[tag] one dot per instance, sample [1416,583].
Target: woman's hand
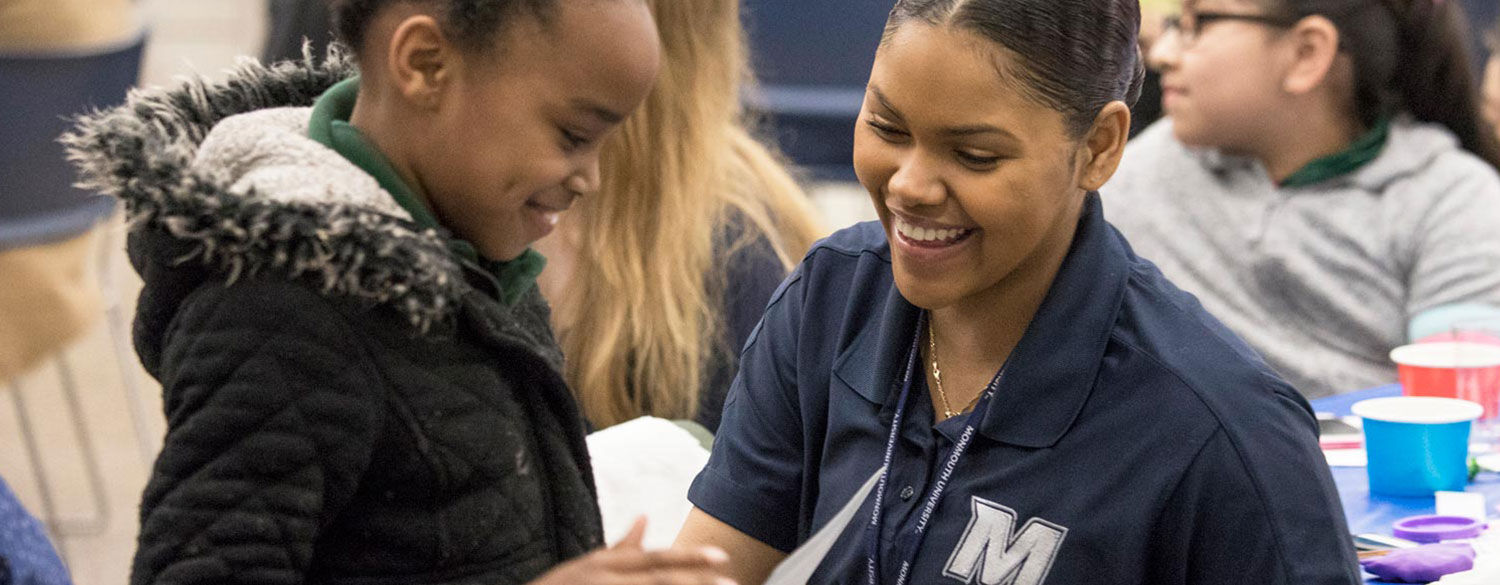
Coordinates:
[627,563]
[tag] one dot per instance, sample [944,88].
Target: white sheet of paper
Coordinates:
[1345,457]
[1461,504]
[798,567]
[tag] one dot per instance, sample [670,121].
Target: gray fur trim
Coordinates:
[143,152]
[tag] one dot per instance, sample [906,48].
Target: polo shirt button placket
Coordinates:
[907,492]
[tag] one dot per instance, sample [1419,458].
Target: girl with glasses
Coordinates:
[1324,178]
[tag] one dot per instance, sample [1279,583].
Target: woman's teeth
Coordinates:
[921,234]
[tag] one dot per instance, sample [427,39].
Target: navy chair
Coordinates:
[1483,15]
[39,94]
[813,60]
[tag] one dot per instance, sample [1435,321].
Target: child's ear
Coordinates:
[1101,150]
[1315,47]
[420,60]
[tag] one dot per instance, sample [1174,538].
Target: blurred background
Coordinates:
[95,528]
[94,417]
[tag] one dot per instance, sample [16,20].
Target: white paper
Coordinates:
[798,567]
[1486,569]
[1489,462]
[643,468]
[1345,457]
[1461,504]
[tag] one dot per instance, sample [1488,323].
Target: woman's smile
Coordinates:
[927,241]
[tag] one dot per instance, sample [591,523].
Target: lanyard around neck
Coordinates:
[907,543]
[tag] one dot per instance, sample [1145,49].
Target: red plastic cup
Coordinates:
[1450,369]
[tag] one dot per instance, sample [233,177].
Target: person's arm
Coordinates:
[748,499]
[627,562]
[273,408]
[1454,250]
[1256,509]
[752,560]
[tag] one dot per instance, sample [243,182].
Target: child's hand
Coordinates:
[627,563]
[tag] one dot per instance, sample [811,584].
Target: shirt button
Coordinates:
[907,492]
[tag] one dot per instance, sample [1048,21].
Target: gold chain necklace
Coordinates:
[937,373]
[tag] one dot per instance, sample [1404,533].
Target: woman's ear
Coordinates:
[421,60]
[1099,154]
[1314,49]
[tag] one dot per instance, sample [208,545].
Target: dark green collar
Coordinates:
[330,127]
[1360,153]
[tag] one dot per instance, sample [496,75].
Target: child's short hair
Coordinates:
[473,24]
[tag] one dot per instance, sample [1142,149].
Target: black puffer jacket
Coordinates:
[345,403]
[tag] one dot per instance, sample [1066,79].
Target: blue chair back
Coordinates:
[39,94]
[1483,16]
[813,59]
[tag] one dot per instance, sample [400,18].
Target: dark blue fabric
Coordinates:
[38,202]
[1483,16]
[1133,440]
[812,60]
[751,274]
[26,557]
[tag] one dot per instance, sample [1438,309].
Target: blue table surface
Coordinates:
[1368,513]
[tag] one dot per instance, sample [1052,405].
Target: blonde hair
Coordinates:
[640,320]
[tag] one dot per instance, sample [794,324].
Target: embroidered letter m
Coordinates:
[994,553]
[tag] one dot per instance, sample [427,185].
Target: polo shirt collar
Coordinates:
[1051,373]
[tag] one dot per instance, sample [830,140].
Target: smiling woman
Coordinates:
[1039,404]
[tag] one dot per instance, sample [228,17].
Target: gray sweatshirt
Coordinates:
[1321,279]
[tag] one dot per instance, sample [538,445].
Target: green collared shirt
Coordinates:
[330,127]
[1359,153]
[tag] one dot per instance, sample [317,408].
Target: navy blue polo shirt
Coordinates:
[1133,439]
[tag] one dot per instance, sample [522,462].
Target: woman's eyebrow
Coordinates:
[970,130]
[956,131]
[885,103]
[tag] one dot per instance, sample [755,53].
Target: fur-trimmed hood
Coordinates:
[337,232]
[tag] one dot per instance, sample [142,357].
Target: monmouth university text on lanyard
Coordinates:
[907,542]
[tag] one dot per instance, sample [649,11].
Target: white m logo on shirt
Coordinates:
[992,551]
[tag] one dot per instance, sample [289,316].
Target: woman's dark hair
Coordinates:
[1076,56]
[1409,56]
[472,24]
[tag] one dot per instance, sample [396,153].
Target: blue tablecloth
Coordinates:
[1375,514]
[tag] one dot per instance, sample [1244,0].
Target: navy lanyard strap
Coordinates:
[906,545]
[872,544]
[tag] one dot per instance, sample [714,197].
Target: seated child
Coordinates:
[1324,178]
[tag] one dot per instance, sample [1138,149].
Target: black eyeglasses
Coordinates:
[1189,33]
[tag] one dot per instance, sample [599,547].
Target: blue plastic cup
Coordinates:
[1417,445]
